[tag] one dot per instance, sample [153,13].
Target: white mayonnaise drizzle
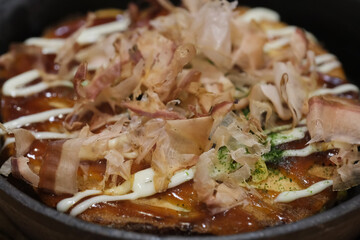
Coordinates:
[91,35]
[41,135]
[326,62]
[14,87]
[260,14]
[34,118]
[280,32]
[67,203]
[289,136]
[323,58]
[283,127]
[143,186]
[276,44]
[316,188]
[281,37]
[52,135]
[329,66]
[48,45]
[348,87]
[287,32]
[301,152]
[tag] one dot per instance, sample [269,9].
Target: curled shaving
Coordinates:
[167,88]
[347,173]
[333,119]
[218,197]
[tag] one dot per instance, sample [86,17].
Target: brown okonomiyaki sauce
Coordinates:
[252,217]
[258,214]
[255,216]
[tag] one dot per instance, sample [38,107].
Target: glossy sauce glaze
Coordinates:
[259,213]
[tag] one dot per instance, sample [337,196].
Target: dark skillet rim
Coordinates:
[322,218]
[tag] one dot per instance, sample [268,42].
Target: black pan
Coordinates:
[335,23]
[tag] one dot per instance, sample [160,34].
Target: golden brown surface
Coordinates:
[260,213]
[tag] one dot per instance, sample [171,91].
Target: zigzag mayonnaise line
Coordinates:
[37,117]
[15,87]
